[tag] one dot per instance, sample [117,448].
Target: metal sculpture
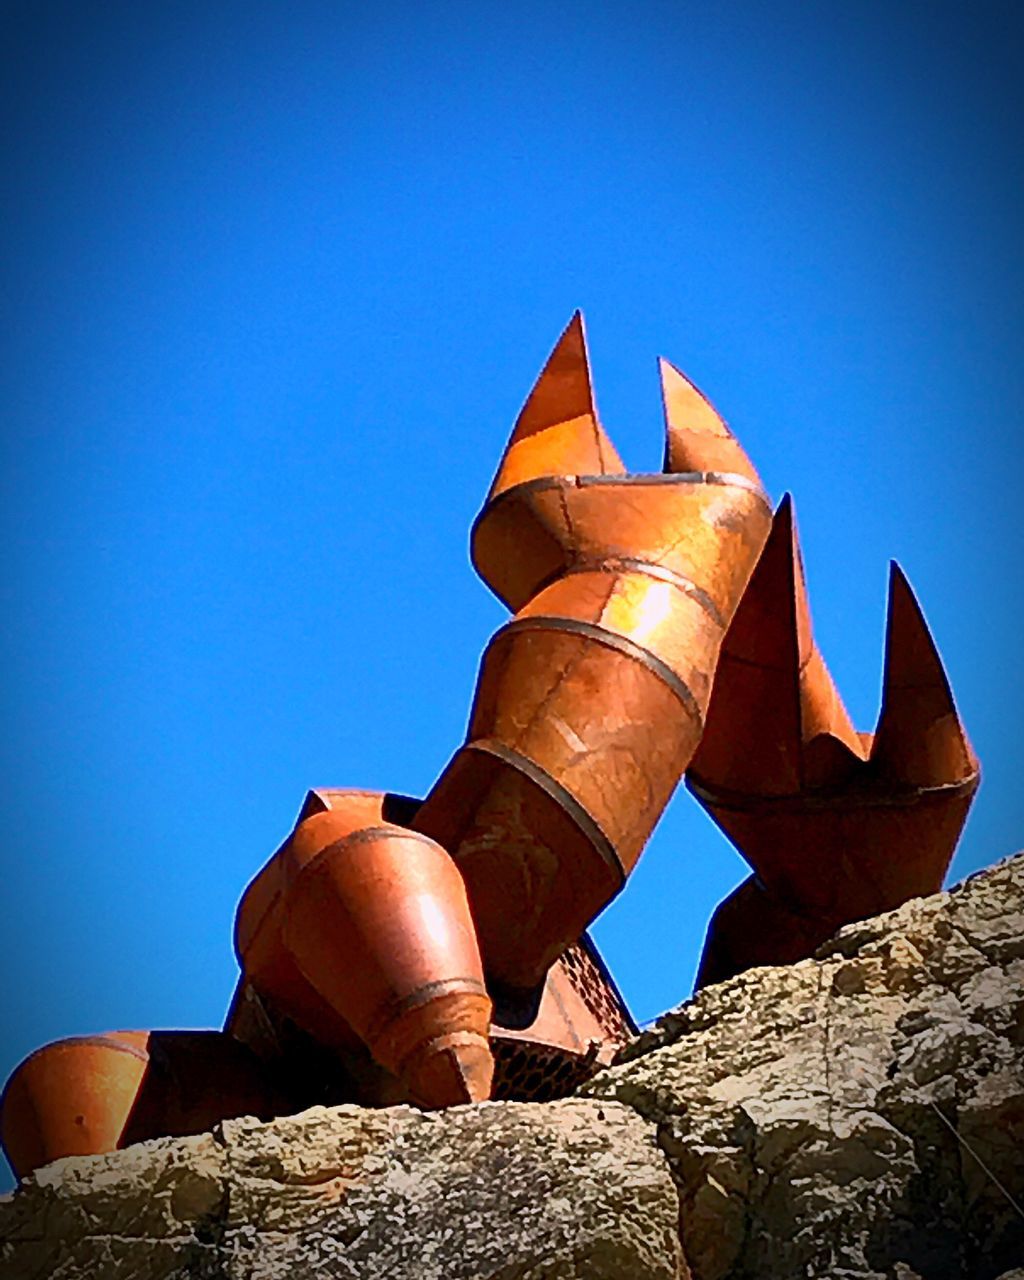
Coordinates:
[838,825]
[435,951]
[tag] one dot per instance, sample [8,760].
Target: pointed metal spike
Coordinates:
[910,653]
[752,732]
[831,745]
[920,740]
[771,627]
[696,435]
[773,691]
[686,406]
[564,388]
[557,431]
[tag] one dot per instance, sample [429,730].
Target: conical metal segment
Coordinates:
[307,1041]
[452,1070]
[378,923]
[89,1095]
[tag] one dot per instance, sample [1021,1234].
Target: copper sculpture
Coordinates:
[435,951]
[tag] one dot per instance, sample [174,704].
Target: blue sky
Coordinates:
[277,279]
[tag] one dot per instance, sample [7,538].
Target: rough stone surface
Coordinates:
[853,1115]
[859,1116]
[497,1191]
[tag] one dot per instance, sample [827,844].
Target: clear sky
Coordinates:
[276,281]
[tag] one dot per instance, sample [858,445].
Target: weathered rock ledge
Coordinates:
[859,1115]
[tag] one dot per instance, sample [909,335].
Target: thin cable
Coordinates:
[967,1147]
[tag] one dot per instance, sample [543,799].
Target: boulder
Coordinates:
[532,1191]
[860,1114]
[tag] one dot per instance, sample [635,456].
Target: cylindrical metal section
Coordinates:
[548,806]
[532,859]
[705,527]
[92,1094]
[666,618]
[607,725]
[72,1098]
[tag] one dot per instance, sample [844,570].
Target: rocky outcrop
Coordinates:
[859,1115]
[532,1191]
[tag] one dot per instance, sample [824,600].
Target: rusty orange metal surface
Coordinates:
[92,1094]
[697,438]
[377,922]
[837,825]
[590,702]
[265,961]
